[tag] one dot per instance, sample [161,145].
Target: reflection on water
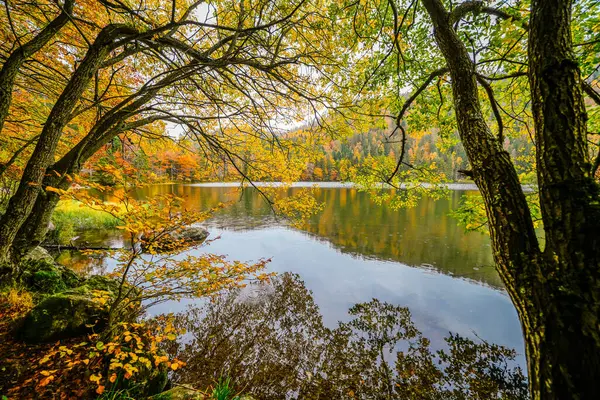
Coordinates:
[421,236]
[356,251]
[272,341]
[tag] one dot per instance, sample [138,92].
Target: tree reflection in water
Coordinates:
[272,342]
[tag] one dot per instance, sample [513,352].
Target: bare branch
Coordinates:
[409,101]
[494,104]
[589,90]
[405,106]
[477,7]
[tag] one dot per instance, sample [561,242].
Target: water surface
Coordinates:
[356,250]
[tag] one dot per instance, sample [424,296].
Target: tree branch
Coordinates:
[4,167]
[589,90]
[494,104]
[403,110]
[477,7]
[13,63]
[409,101]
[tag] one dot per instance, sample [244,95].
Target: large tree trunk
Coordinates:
[34,229]
[570,352]
[23,200]
[556,293]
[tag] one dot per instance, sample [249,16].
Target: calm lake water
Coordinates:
[356,250]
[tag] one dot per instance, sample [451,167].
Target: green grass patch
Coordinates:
[71,215]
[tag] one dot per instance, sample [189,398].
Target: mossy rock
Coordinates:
[103,283]
[39,273]
[180,392]
[94,283]
[61,316]
[72,312]
[38,254]
[187,392]
[99,282]
[189,235]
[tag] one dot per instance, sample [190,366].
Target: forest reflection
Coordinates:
[423,236]
[271,341]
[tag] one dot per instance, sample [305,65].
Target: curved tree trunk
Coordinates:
[35,227]
[23,200]
[556,292]
[34,230]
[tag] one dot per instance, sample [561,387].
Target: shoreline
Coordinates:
[339,185]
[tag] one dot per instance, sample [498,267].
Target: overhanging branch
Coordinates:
[411,99]
[403,110]
[478,7]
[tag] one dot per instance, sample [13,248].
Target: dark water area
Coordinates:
[355,251]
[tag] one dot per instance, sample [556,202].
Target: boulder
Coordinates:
[180,392]
[63,315]
[99,282]
[71,313]
[39,273]
[188,392]
[189,235]
[38,254]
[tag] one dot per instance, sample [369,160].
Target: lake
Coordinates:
[356,250]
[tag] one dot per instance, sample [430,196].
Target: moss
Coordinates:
[71,312]
[62,316]
[99,282]
[179,393]
[41,276]
[47,281]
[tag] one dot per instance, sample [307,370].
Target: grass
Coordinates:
[71,216]
[224,390]
[75,214]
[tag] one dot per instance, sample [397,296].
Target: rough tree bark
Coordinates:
[555,292]
[35,227]
[569,352]
[22,201]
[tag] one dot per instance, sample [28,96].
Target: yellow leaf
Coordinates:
[174,366]
[46,380]
[95,378]
[113,378]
